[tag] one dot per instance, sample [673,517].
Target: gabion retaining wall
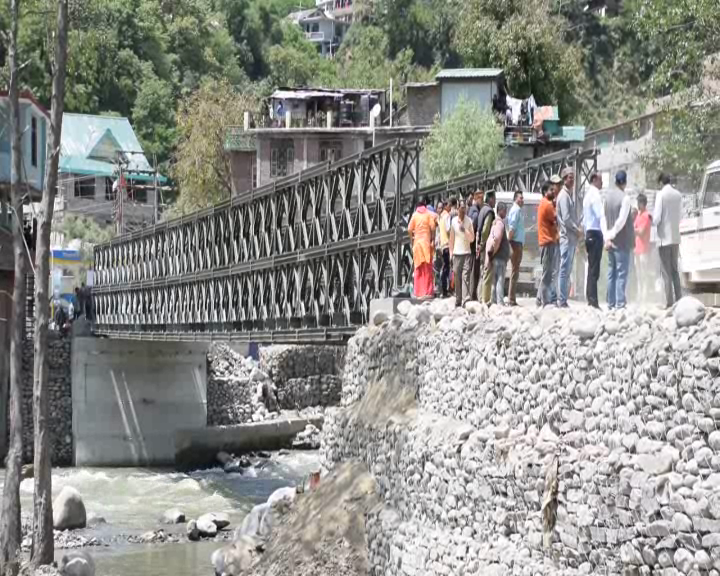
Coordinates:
[513,441]
[60,399]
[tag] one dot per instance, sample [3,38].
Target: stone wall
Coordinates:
[513,441]
[304,376]
[60,399]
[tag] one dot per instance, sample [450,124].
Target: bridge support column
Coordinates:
[130,397]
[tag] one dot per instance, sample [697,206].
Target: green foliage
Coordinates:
[201,167]
[686,140]
[469,140]
[524,39]
[85,229]
[296,62]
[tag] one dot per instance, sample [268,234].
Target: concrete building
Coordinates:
[99,154]
[305,127]
[342,10]
[322,28]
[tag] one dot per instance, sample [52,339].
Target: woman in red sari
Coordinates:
[422,234]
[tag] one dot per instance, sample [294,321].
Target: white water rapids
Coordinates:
[132,500]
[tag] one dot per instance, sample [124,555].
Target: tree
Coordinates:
[10,528]
[469,140]
[296,62]
[43,541]
[201,167]
[154,115]
[524,39]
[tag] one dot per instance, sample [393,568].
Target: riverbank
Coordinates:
[132,501]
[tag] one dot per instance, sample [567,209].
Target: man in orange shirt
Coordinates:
[422,234]
[548,241]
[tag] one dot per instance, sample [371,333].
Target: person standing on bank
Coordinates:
[548,242]
[421,230]
[619,235]
[643,225]
[569,231]
[444,247]
[461,235]
[592,219]
[497,254]
[516,237]
[477,263]
[666,216]
[486,220]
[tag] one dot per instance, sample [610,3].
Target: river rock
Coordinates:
[287,494]
[220,519]
[206,525]
[237,558]
[173,516]
[69,510]
[192,531]
[257,523]
[77,563]
[95,520]
[688,311]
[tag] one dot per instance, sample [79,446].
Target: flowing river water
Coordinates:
[133,499]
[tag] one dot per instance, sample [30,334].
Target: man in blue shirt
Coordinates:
[592,218]
[516,235]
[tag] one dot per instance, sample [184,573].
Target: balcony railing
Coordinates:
[315,36]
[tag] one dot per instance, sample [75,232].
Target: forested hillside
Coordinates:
[149,59]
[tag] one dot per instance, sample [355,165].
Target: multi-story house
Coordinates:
[321,28]
[99,156]
[304,127]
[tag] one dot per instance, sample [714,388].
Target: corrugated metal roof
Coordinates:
[462,73]
[84,135]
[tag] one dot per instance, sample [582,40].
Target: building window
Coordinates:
[282,159]
[85,187]
[109,192]
[330,151]
[34,142]
[316,27]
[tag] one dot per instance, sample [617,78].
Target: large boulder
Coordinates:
[173,516]
[69,510]
[257,524]
[77,563]
[193,533]
[688,311]
[237,558]
[220,519]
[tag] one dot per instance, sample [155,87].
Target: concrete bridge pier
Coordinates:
[131,397]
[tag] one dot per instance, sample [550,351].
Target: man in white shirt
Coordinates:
[592,222]
[666,217]
[461,236]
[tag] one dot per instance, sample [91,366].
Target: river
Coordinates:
[133,499]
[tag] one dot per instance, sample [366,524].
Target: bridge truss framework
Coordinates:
[298,260]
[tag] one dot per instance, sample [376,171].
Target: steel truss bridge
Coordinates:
[298,260]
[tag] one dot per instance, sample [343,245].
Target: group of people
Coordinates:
[80,304]
[475,241]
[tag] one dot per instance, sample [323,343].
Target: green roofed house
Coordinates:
[100,155]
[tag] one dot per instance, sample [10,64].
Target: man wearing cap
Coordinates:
[619,235]
[569,231]
[592,218]
[548,242]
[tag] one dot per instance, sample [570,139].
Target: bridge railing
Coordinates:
[307,252]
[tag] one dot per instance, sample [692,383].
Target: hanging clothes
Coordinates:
[532,106]
[515,106]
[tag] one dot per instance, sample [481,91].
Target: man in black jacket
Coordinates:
[477,261]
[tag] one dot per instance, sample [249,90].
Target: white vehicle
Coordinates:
[700,237]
